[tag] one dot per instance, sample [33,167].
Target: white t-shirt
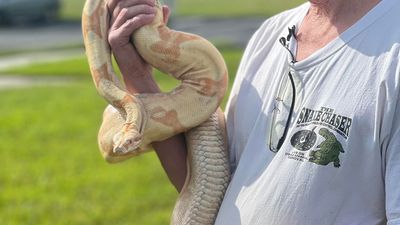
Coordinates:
[340,161]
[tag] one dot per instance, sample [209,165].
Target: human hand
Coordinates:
[126,17]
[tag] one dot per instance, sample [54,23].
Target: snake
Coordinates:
[133,121]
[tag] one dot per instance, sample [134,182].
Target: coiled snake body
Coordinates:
[132,122]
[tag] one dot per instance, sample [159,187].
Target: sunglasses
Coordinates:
[284,104]
[282,113]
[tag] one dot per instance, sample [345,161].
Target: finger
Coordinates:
[116,6]
[121,19]
[133,24]
[134,11]
[112,4]
[166,13]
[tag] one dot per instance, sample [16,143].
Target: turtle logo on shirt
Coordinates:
[329,150]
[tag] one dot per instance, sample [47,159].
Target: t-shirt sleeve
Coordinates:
[392,171]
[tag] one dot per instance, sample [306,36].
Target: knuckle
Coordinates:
[113,40]
[147,9]
[144,19]
[140,9]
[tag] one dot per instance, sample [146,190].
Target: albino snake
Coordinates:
[133,121]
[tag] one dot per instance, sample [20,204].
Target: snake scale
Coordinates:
[131,122]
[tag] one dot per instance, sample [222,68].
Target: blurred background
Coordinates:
[50,169]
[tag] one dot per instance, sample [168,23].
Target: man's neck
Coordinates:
[339,13]
[326,20]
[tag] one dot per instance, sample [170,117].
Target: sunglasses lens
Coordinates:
[281,112]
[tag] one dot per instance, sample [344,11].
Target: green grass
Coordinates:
[222,8]
[76,67]
[79,68]
[51,170]
[52,48]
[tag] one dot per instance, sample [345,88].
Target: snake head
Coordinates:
[126,142]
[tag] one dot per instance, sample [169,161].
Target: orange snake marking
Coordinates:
[168,118]
[173,42]
[133,121]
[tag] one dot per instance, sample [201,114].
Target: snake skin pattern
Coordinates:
[133,121]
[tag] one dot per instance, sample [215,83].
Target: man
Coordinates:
[313,117]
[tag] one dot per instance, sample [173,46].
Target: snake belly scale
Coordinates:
[132,122]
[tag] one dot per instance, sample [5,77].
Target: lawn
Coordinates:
[221,8]
[52,172]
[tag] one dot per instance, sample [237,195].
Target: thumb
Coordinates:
[166,13]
